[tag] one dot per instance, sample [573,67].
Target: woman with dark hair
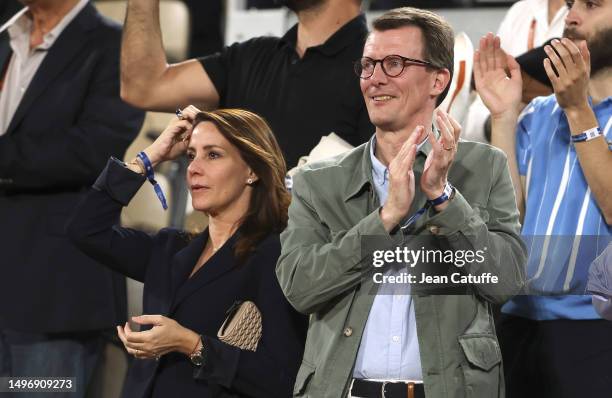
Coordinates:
[236,176]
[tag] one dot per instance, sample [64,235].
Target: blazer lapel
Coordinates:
[185,259]
[5,51]
[61,53]
[220,263]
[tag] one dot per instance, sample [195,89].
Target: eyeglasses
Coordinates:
[392,65]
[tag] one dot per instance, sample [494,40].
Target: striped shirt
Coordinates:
[564,228]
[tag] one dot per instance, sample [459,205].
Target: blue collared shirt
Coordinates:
[564,229]
[389,347]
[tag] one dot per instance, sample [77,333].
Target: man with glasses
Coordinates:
[410,183]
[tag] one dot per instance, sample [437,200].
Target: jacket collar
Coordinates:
[65,48]
[5,52]
[342,38]
[21,25]
[362,171]
[183,262]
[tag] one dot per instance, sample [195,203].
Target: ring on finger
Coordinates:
[449,149]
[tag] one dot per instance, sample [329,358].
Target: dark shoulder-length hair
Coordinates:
[251,135]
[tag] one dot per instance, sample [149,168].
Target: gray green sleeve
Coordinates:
[493,227]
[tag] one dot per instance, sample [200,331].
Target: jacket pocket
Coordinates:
[303,378]
[482,372]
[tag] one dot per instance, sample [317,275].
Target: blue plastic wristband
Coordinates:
[448,191]
[151,177]
[415,216]
[587,135]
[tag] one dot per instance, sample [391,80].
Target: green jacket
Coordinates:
[324,273]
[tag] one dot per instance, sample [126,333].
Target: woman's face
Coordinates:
[217,175]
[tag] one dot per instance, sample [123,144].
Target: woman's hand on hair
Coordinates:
[190,113]
[166,336]
[172,142]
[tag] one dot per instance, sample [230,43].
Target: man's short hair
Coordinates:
[438,36]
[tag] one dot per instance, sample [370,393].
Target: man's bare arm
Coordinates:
[147,81]
[571,84]
[503,136]
[502,96]
[595,159]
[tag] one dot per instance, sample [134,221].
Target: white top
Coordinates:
[525,26]
[25,62]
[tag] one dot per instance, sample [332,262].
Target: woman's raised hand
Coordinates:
[174,140]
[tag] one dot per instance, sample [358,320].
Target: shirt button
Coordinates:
[396,339]
[434,229]
[348,332]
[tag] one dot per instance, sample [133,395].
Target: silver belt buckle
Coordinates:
[382,390]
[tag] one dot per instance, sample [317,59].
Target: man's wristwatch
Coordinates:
[448,193]
[197,356]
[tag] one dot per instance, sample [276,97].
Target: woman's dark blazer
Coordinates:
[163,262]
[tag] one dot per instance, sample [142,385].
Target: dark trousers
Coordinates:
[50,355]
[557,358]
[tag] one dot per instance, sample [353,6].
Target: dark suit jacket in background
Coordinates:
[8,8]
[163,262]
[69,121]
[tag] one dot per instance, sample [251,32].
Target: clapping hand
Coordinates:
[498,78]
[401,181]
[573,65]
[441,157]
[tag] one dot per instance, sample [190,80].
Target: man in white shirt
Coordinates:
[61,117]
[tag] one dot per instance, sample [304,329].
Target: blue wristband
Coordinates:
[151,177]
[448,191]
[587,135]
[415,217]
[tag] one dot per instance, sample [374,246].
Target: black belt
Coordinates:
[387,389]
